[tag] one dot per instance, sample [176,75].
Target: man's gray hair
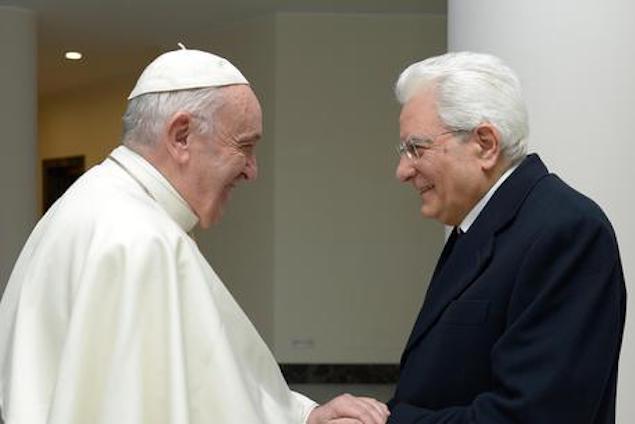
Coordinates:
[471,89]
[146,115]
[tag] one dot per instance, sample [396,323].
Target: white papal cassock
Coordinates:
[113,316]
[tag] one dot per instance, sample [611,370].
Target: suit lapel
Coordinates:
[469,257]
[473,251]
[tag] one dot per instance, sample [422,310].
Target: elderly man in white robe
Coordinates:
[112,315]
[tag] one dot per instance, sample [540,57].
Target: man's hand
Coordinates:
[347,409]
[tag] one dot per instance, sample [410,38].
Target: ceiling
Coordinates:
[119,36]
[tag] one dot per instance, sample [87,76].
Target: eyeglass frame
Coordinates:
[410,148]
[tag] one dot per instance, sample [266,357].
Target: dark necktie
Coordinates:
[447,250]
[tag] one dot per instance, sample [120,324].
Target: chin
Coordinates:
[425,212]
[428,214]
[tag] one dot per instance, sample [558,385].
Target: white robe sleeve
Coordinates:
[308,405]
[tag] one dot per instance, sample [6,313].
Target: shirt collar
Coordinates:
[476,210]
[158,187]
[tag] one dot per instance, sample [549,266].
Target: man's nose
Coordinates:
[405,171]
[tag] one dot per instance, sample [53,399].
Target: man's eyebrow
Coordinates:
[250,138]
[417,139]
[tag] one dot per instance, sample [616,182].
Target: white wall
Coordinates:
[577,61]
[352,254]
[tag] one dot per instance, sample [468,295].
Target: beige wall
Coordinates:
[352,254]
[240,247]
[326,252]
[86,121]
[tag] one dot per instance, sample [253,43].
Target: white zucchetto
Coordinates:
[186,69]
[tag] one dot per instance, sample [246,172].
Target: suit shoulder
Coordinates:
[555,214]
[556,203]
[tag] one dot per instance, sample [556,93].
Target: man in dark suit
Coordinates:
[523,318]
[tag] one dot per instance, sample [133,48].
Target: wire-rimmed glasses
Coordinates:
[412,147]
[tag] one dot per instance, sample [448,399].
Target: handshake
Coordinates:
[348,409]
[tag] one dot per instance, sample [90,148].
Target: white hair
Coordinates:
[471,89]
[146,115]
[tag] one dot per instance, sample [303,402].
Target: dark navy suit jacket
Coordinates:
[523,323]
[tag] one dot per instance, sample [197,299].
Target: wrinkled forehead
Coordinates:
[240,97]
[240,109]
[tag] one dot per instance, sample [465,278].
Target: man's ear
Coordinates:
[179,129]
[489,144]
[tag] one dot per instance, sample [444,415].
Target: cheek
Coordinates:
[429,170]
[459,184]
[422,166]
[225,167]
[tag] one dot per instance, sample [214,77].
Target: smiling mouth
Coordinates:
[425,189]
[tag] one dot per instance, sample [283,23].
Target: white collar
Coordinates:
[158,187]
[480,205]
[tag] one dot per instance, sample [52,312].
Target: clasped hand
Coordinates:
[348,409]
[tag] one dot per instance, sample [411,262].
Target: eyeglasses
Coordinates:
[412,147]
